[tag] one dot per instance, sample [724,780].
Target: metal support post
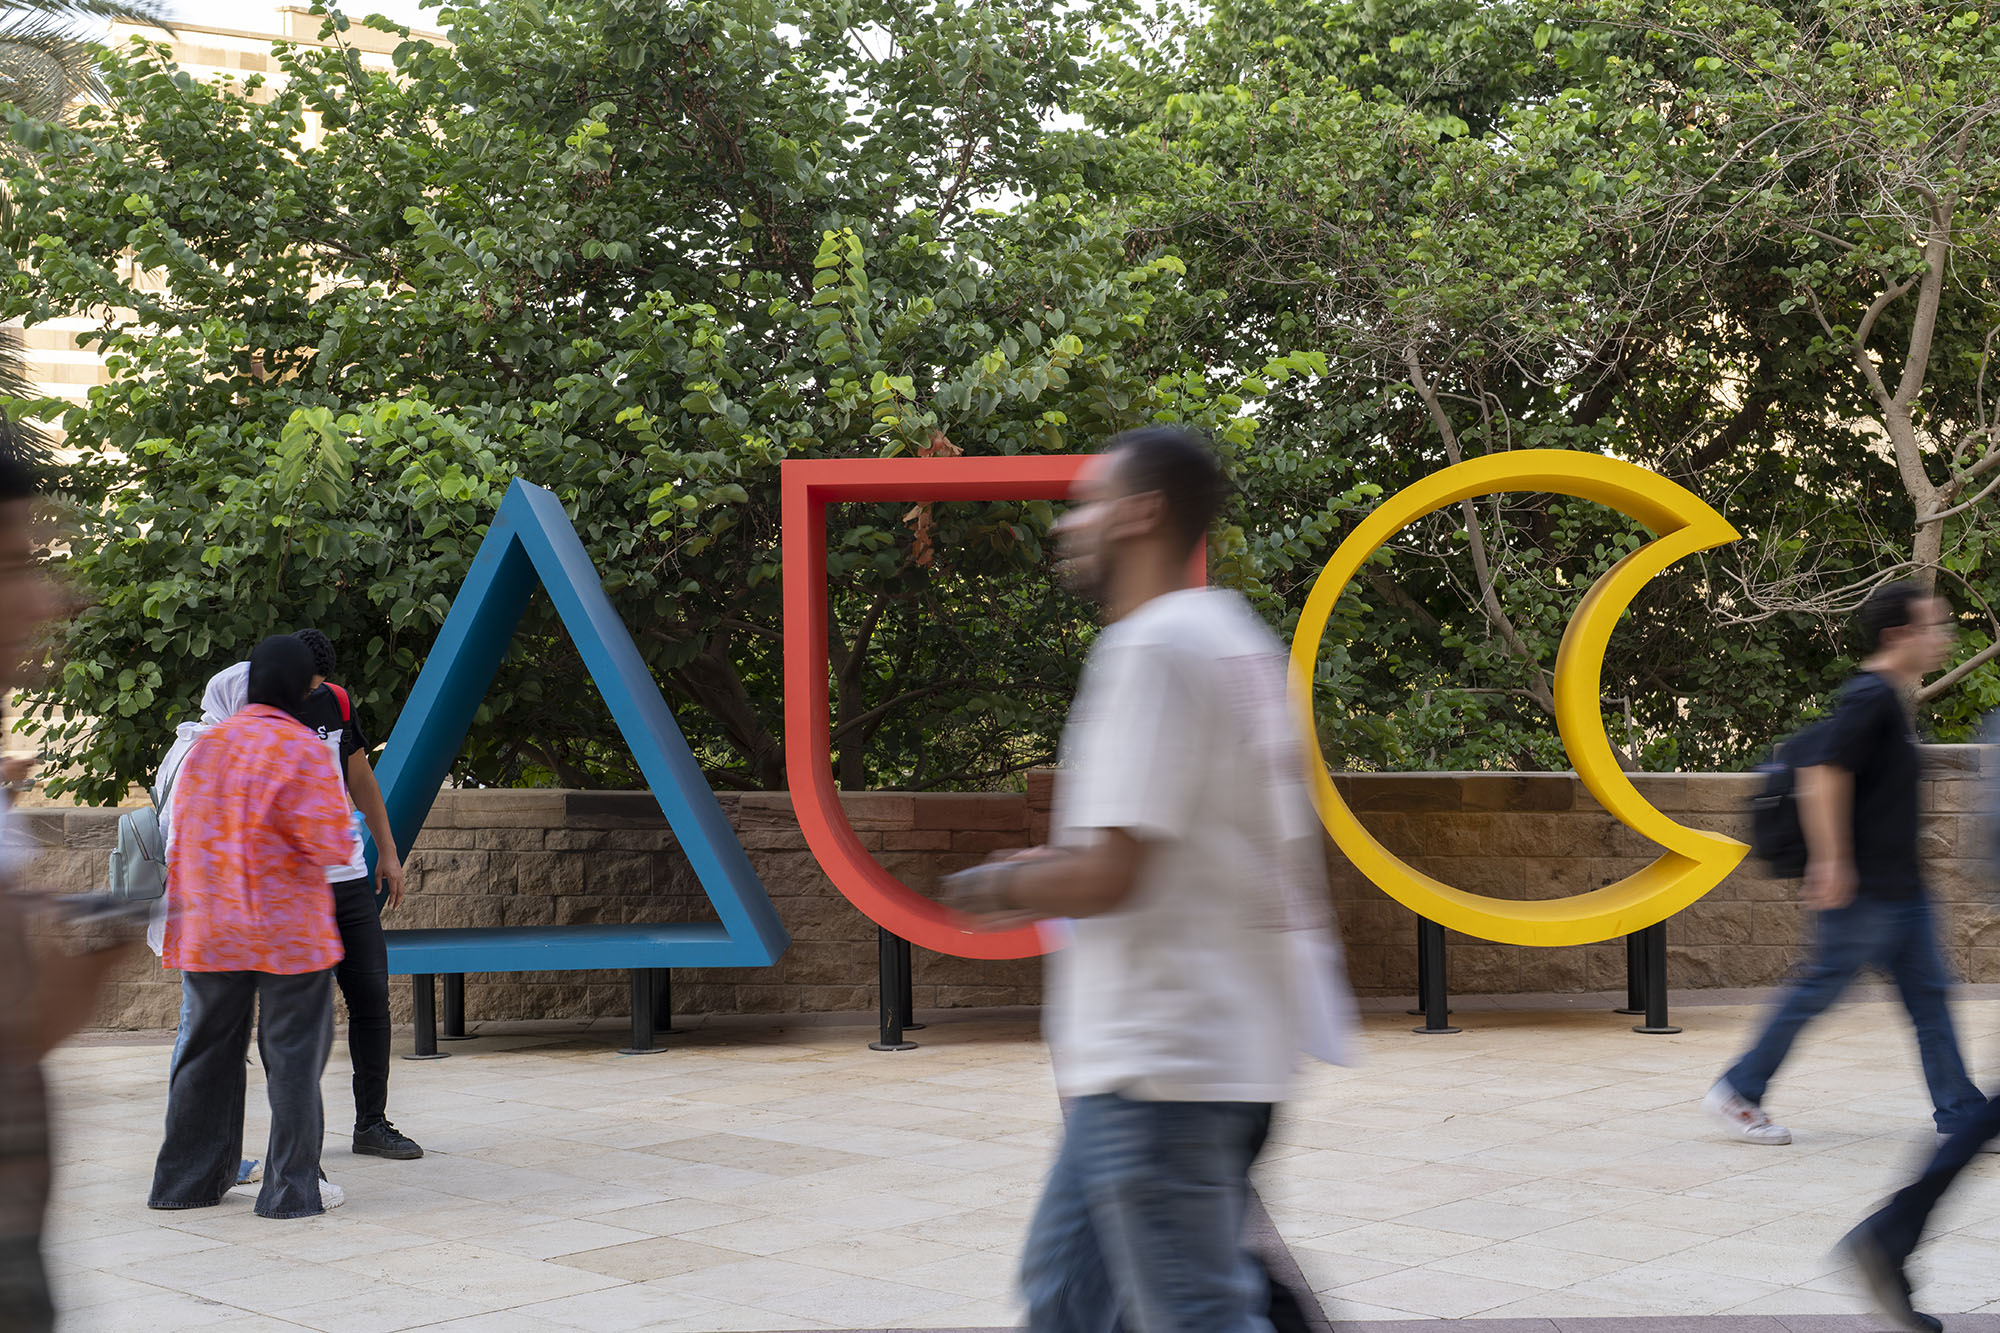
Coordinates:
[643,999]
[893,965]
[1431,971]
[1423,973]
[909,996]
[663,1003]
[454,1008]
[1656,982]
[423,1010]
[1635,974]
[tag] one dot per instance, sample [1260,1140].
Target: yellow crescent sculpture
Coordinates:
[1693,862]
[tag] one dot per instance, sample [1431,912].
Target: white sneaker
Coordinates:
[1746,1119]
[331,1196]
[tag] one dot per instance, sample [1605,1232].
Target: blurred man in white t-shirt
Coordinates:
[1185,856]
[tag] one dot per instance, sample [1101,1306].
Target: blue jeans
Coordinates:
[1140,1226]
[1899,1224]
[1900,937]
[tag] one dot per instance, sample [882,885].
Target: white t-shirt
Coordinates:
[1222,965]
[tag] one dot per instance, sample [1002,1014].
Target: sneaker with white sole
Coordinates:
[1746,1119]
[331,1196]
[249,1171]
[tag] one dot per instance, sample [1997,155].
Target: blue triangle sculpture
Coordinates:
[532,542]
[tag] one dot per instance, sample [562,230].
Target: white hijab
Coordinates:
[228,690]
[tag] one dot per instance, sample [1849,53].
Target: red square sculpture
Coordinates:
[808,487]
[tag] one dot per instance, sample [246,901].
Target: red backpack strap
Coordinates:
[346,707]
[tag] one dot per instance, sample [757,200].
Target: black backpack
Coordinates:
[1777,838]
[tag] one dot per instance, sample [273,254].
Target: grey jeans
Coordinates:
[199,1158]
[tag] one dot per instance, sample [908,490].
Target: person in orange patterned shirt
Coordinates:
[259,812]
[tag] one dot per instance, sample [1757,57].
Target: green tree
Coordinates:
[637,254]
[48,60]
[1519,225]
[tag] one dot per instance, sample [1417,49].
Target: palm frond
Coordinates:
[32,445]
[48,51]
[90,11]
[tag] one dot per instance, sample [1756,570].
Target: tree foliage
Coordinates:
[1748,245]
[638,254]
[641,254]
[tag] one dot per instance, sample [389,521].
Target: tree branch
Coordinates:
[1489,597]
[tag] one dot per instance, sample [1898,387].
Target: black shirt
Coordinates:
[321,711]
[1869,735]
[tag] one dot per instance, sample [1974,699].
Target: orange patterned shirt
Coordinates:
[258,813]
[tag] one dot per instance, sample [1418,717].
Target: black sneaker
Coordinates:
[382,1139]
[1883,1275]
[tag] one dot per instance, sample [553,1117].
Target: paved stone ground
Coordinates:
[1547,1167]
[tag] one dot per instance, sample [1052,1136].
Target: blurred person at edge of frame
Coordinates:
[44,995]
[1201,959]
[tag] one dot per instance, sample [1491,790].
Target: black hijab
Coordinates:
[281,672]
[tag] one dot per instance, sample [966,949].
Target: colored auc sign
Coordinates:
[1691,863]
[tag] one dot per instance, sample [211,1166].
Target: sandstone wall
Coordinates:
[500,858]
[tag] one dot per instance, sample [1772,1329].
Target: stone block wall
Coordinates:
[1529,836]
[504,858]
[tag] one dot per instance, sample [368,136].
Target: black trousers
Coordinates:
[363,978]
[1899,1224]
[198,1159]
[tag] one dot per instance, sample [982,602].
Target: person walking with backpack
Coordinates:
[1858,777]
[1201,958]
[363,972]
[1882,1244]
[258,815]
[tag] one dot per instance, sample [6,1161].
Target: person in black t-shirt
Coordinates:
[363,974]
[1858,803]
[1882,1244]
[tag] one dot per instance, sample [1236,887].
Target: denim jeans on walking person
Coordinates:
[198,1160]
[1899,1224]
[1900,937]
[1140,1227]
[363,977]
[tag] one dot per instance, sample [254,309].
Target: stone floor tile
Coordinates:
[1347,1313]
[1636,1242]
[1666,1288]
[632,1305]
[648,1259]
[490,1278]
[853,1301]
[1433,1292]
[732,1283]
[1325,1270]
[130,1247]
[384,1309]
[550,1240]
[162,1311]
[1793,1302]
[909,1255]
[1494,1221]
[675,1216]
[1530,1264]
[1393,1242]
